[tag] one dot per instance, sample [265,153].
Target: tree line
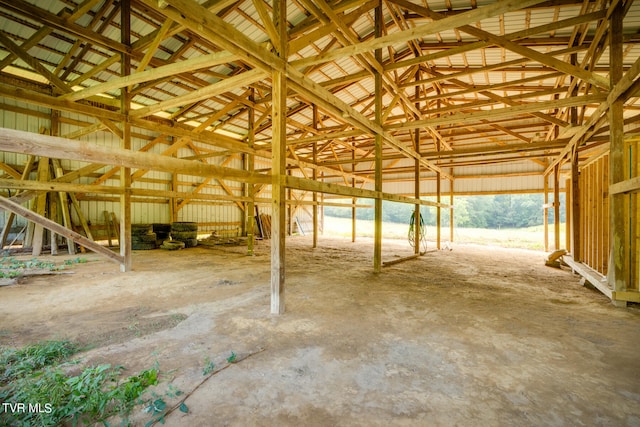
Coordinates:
[498,211]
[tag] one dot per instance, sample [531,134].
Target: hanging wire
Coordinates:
[412,232]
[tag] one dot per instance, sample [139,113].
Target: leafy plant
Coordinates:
[209,366]
[11,267]
[19,363]
[157,406]
[94,395]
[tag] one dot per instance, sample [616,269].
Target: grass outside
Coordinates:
[525,238]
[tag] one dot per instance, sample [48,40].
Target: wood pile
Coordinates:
[215,240]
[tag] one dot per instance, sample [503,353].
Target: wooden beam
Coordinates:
[32,41]
[399,260]
[59,229]
[59,23]
[575,220]
[244,79]
[41,203]
[44,145]
[617,92]
[151,48]
[454,21]
[315,121]
[377,216]
[590,275]
[48,101]
[250,165]
[278,164]
[627,186]
[619,270]
[124,239]
[515,47]
[348,191]
[64,207]
[189,65]
[499,112]
[33,63]
[556,207]
[9,220]
[211,27]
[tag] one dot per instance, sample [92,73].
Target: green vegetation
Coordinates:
[20,363]
[526,238]
[12,267]
[494,212]
[35,377]
[209,366]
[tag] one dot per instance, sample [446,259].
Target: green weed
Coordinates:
[34,375]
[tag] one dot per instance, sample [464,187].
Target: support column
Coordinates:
[249,210]
[451,224]
[438,209]
[438,196]
[53,200]
[62,196]
[40,203]
[289,215]
[545,210]
[573,221]
[353,199]
[125,143]
[568,200]
[377,235]
[416,192]
[278,165]
[315,178]
[416,182]
[556,207]
[575,208]
[173,203]
[619,270]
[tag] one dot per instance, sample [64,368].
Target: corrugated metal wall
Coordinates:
[11,117]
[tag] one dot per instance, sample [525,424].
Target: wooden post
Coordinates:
[173,205]
[125,173]
[438,209]
[64,207]
[321,207]
[635,218]
[576,226]
[546,213]
[573,221]
[377,235]
[107,224]
[353,199]
[556,206]
[416,178]
[315,178]
[53,201]
[289,217]
[619,270]
[451,211]
[53,214]
[251,189]
[568,212]
[41,205]
[278,164]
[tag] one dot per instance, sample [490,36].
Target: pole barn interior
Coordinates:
[244,118]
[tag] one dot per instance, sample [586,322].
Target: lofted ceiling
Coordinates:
[481,82]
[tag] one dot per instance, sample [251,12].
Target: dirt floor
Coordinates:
[472,336]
